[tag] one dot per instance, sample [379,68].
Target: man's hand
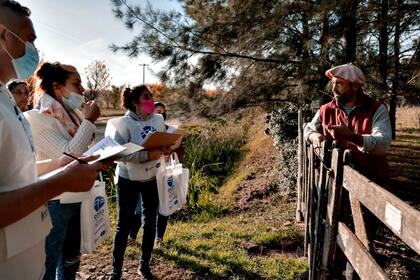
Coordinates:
[80,177]
[316,138]
[342,132]
[339,131]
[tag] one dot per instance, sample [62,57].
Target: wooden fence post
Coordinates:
[299,214]
[321,207]
[333,209]
[311,208]
[307,194]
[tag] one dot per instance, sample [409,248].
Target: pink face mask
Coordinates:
[147,106]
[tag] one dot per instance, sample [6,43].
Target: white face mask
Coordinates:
[25,65]
[73,101]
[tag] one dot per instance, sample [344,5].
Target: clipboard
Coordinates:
[160,139]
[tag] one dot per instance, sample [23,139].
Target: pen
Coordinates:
[75,158]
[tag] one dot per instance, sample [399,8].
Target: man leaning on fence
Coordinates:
[358,122]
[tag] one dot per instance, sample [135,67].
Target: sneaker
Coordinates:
[144,272]
[158,242]
[115,276]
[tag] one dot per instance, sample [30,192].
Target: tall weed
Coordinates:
[211,153]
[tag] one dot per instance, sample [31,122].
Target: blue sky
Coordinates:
[79,31]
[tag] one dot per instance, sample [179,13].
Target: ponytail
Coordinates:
[131,96]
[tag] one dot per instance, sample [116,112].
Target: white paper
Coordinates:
[107,148]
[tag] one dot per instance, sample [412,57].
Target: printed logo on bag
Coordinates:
[171,192]
[146,130]
[99,203]
[171,182]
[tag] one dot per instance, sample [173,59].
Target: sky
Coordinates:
[78,32]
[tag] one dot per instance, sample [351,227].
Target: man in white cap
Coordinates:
[356,121]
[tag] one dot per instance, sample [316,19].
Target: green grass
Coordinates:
[212,152]
[217,248]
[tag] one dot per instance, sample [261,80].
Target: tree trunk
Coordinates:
[350,31]
[383,46]
[396,58]
[325,64]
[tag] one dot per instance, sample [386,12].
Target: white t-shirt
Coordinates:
[22,249]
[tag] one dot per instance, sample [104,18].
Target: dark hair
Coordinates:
[12,85]
[47,74]
[131,96]
[15,7]
[160,104]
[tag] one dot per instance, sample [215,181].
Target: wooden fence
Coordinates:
[332,198]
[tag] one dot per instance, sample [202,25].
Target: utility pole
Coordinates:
[144,65]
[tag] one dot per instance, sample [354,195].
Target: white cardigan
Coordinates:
[51,139]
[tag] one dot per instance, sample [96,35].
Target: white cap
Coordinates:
[348,72]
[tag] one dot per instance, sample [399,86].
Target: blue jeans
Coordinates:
[62,245]
[128,192]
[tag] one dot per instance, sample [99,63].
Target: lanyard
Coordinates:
[25,126]
[21,119]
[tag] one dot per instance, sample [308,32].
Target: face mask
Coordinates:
[25,65]
[74,101]
[147,106]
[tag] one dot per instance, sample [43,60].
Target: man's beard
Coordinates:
[341,99]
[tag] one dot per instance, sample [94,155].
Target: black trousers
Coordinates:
[128,192]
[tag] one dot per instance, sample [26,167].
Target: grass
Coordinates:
[212,151]
[404,155]
[218,248]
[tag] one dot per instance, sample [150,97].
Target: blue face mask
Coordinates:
[74,101]
[25,65]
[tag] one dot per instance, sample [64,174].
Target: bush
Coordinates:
[283,127]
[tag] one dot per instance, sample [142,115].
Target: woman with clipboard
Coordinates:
[136,175]
[162,221]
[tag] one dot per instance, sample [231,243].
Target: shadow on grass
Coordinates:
[408,130]
[235,268]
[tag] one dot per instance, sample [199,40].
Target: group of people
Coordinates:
[39,232]
[40,224]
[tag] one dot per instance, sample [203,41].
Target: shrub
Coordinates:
[283,128]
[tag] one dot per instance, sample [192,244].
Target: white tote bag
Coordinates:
[172,183]
[94,218]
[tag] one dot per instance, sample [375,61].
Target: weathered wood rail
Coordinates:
[332,201]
